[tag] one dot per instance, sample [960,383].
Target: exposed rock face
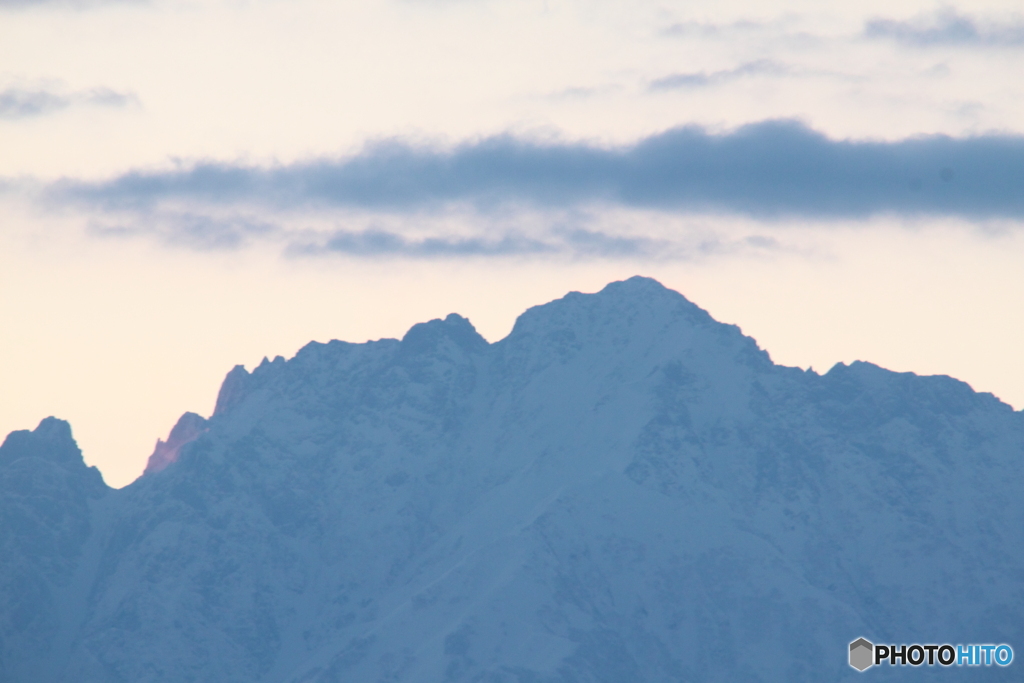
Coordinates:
[188,428]
[622,490]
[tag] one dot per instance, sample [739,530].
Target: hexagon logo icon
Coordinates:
[862,654]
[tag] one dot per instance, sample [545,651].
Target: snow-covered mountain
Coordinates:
[622,490]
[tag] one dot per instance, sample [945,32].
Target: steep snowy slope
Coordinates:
[621,490]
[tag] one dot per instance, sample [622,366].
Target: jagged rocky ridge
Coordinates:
[622,490]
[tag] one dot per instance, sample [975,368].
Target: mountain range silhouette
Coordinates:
[622,490]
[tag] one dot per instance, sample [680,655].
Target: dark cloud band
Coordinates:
[769,169]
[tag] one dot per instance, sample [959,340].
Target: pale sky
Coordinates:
[186,185]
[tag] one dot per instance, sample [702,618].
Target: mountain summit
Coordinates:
[622,490]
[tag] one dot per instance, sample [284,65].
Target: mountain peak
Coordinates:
[638,311]
[645,291]
[189,427]
[52,442]
[426,336]
[232,390]
[640,284]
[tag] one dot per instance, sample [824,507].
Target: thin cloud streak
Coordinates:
[948,27]
[575,243]
[698,79]
[24,103]
[544,236]
[769,170]
[371,243]
[69,4]
[196,231]
[685,29]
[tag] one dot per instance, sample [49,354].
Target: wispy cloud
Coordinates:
[552,241]
[71,4]
[552,238]
[948,27]
[685,29]
[698,79]
[23,103]
[192,230]
[581,93]
[598,243]
[386,243]
[772,169]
